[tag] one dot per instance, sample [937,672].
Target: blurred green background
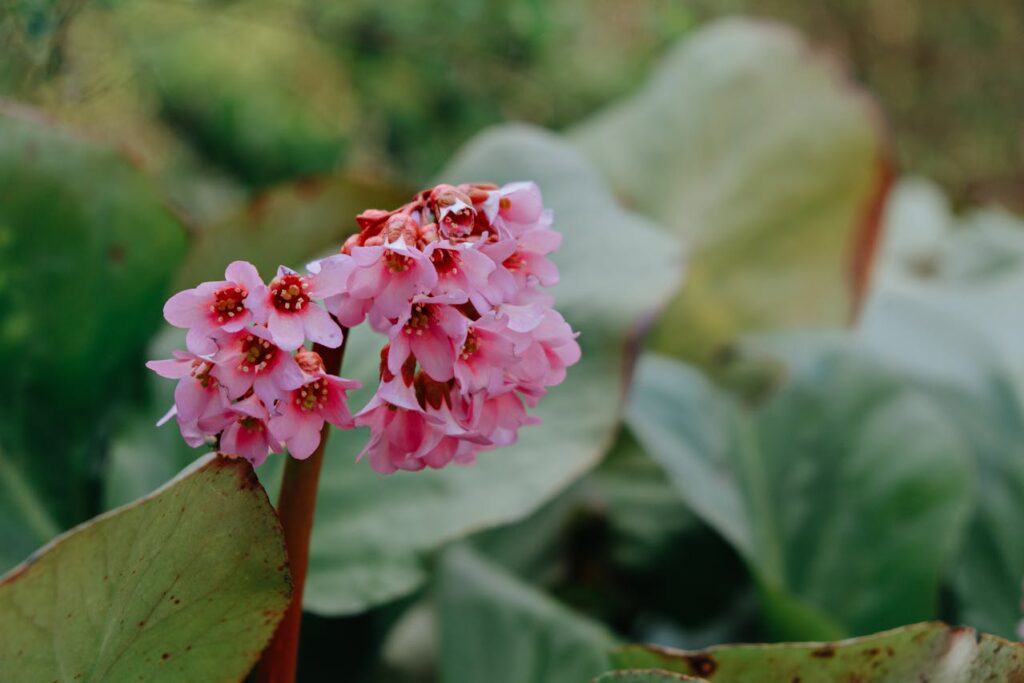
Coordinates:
[859,177]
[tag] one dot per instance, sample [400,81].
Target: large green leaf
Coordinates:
[944,312]
[923,652]
[760,155]
[86,251]
[496,628]
[187,584]
[372,533]
[845,492]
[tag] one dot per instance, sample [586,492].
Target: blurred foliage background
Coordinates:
[394,88]
[257,129]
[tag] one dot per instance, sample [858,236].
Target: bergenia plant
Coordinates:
[454,280]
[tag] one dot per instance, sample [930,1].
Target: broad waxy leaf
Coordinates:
[86,252]
[943,313]
[845,492]
[185,585]
[760,155]
[541,641]
[930,652]
[372,532]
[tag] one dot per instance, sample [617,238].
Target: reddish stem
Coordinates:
[295,507]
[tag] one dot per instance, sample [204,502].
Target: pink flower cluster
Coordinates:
[453,279]
[239,378]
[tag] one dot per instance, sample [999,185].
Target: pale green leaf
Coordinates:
[184,585]
[762,156]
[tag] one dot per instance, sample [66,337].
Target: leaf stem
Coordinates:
[295,507]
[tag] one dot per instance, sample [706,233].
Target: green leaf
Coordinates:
[644,676]
[943,312]
[86,252]
[923,652]
[287,225]
[964,370]
[845,492]
[495,628]
[187,584]
[766,160]
[373,533]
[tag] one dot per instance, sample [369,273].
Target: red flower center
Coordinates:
[288,292]
[256,353]
[471,345]
[514,262]
[227,302]
[446,261]
[251,424]
[201,373]
[421,318]
[432,394]
[312,395]
[397,263]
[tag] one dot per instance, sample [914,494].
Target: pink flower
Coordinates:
[383,280]
[293,316]
[456,216]
[212,307]
[487,352]
[464,270]
[499,418]
[396,436]
[545,351]
[247,434]
[450,449]
[197,394]
[431,330]
[250,360]
[514,205]
[301,415]
[332,274]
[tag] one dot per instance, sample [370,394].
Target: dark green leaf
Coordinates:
[845,492]
[86,252]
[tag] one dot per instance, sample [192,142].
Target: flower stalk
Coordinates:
[296,507]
